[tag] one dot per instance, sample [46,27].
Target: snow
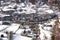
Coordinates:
[29,9]
[4,39]
[2,15]
[44,32]
[48,28]
[19,37]
[59,19]
[7,9]
[0,22]
[13,27]
[45,9]
[45,6]
[16,37]
[19,31]
[3,27]
[22,4]
[52,22]
[12,5]
[3,34]
[49,11]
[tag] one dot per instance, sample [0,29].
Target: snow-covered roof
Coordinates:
[2,15]
[45,6]
[49,11]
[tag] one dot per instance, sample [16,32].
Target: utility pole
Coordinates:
[58,4]
[10,35]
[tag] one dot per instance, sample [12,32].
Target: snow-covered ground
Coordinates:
[13,27]
[19,37]
[47,31]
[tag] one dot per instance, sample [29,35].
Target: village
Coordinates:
[30,20]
